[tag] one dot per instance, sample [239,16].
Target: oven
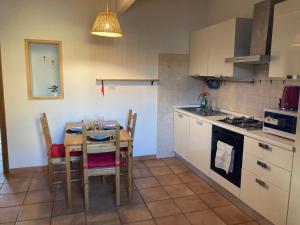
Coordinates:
[236,141]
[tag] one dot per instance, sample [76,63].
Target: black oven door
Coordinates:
[237,141]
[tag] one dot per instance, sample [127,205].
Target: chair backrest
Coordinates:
[131,122]
[46,132]
[112,145]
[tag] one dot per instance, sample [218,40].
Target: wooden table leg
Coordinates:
[130,168]
[68,173]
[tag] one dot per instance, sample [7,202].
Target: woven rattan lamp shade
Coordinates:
[107,25]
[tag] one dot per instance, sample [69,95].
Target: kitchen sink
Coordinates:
[204,112]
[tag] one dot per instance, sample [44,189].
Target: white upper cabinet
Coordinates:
[285,53]
[210,46]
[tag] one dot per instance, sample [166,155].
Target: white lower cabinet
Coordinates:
[200,144]
[267,199]
[181,134]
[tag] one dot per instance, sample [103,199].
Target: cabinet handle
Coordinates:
[261,183]
[264,146]
[262,164]
[200,123]
[180,115]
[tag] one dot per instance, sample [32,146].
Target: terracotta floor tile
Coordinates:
[46,221]
[35,211]
[10,180]
[190,204]
[161,170]
[178,190]
[232,215]
[154,194]
[146,182]
[154,163]
[188,177]
[178,168]
[139,164]
[22,172]
[145,222]
[60,207]
[106,217]
[163,208]
[71,219]
[12,199]
[139,173]
[136,198]
[102,201]
[14,187]
[10,214]
[134,213]
[171,161]
[39,184]
[214,199]
[200,187]
[38,196]
[173,220]
[206,217]
[250,223]
[169,179]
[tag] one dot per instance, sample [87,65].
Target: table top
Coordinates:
[76,139]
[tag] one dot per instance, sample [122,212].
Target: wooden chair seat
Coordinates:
[102,160]
[58,151]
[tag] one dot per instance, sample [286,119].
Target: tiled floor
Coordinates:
[165,193]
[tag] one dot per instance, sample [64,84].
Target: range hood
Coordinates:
[261,35]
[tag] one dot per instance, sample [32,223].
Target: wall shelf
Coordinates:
[128,80]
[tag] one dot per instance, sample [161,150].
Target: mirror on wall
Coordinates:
[44,69]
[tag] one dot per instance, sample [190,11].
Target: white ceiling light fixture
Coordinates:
[107,24]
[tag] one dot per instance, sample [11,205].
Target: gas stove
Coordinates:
[248,123]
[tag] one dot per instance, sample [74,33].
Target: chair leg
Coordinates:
[50,176]
[86,196]
[117,186]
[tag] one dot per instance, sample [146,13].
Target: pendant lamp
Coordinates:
[107,24]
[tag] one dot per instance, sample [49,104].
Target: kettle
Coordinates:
[290,98]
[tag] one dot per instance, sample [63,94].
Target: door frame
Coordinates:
[3,123]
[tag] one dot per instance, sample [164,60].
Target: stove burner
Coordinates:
[247,123]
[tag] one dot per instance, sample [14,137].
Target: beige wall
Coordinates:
[150,27]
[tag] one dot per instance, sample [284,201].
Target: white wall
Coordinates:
[150,27]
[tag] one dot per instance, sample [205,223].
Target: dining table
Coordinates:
[73,142]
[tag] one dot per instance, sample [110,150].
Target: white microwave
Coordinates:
[280,122]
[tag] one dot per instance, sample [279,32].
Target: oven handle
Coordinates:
[264,146]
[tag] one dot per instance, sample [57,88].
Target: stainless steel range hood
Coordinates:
[261,36]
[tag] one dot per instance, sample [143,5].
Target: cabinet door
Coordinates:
[200,145]
[181,134]
[285,54]
[199,45]
[222,45]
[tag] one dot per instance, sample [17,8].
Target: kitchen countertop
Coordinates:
[256,134]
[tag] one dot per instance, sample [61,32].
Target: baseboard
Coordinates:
[144,157]
[236,201]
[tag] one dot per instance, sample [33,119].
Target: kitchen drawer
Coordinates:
[273,174]
[268,200]
[269,153]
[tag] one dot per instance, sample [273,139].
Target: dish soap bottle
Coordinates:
[204,100]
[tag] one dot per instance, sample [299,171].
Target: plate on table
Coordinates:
[110,127]
[76,129]
[99,138]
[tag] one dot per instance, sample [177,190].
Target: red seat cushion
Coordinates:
[124,149]
[58,150]
[103,160]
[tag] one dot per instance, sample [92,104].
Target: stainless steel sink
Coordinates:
[204,112]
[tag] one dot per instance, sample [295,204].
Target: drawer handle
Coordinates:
[180,115]
[264,146]
[261,183]
[200,123]
[262,164]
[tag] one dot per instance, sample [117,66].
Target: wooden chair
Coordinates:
[130,127]
[101,159]
[55,152]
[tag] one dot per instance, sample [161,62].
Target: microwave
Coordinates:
[280,122]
